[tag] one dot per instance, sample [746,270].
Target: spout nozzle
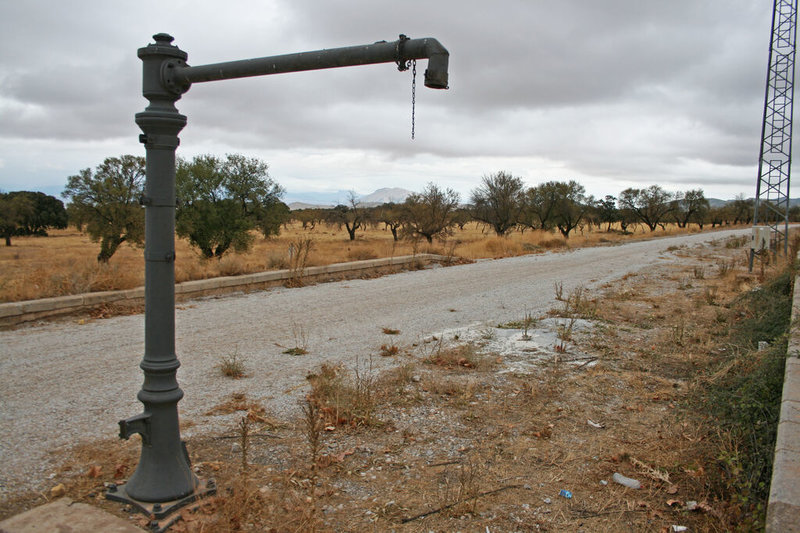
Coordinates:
[136,424]
[436,79]
[438,59]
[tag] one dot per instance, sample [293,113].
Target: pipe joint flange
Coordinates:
[160,142]
[160,257]
[170,77]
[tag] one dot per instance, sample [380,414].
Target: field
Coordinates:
[463,434]
[64,263]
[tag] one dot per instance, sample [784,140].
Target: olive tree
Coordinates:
[741,209]
[498,201]
[691,206]
[31,213]
[651,205]
[607,211]
[13,210]
[391,215]
[539,205]
[220,201]
[571,206]
[105,203]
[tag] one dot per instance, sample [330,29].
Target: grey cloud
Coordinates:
[619,88]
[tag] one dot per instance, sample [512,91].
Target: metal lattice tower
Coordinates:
[775,158]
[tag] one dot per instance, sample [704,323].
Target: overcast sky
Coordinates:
[612,93]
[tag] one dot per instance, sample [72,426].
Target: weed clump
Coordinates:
[464,356]
[232,365]
[743,396]
[576,304]
[342,399]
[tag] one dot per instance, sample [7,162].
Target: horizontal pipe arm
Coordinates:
[380,52]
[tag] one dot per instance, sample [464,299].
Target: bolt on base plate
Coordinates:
[159,511]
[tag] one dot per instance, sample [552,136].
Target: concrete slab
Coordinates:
[66,516]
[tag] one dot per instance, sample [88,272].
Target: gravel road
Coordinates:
[62,383]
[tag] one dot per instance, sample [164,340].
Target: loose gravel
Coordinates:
[62,383]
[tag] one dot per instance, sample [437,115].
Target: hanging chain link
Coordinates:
[403,65]
[413,95]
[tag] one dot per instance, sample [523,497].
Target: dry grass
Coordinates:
[436,444]
[232,365]
[342,398]
[64,263]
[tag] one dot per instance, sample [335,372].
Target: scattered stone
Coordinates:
[626,481]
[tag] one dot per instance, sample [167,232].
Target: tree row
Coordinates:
[222,203]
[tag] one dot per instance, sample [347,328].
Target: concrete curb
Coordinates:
[783,509]
[14,313]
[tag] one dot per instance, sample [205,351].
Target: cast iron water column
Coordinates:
[163,480]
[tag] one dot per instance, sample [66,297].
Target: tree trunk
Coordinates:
[8,240]
[109,245]
[221,249]
[351,230]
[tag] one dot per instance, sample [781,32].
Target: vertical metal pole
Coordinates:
[163,480]
[775,155]
[164,473]
[764,119]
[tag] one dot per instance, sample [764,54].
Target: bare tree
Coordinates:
[431,213]
[352,216]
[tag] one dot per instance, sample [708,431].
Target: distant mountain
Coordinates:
[325,200]
[303,205]
[386,195]
[716,202]
[315,198]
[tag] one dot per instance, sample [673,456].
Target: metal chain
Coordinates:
[413,95]
[403,65]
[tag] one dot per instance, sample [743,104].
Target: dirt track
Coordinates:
[61,383]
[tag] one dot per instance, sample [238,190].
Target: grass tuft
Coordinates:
[232,365]
[344,399]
